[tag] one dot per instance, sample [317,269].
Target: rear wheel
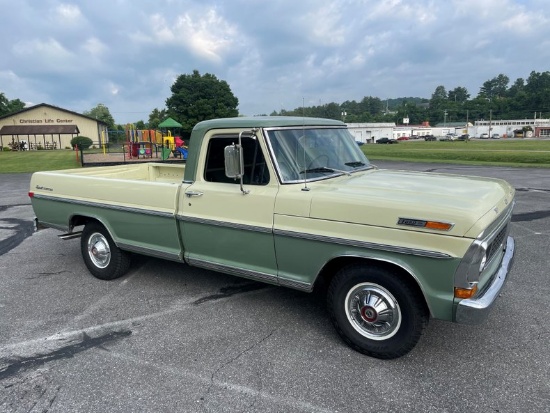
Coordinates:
[376,312]
[101,255]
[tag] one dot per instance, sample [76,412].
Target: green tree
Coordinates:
[438,104]
[416,113]
[10,106]
[155,117]
[101,112]
[196,98]
[459,94]
[494,88]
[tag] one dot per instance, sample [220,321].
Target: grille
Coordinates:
[496,244]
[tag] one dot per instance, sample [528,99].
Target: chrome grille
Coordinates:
[497,243]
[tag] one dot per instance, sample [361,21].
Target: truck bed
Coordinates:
[152,172]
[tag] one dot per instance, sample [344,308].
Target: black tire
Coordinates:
[101,255]
[376,312]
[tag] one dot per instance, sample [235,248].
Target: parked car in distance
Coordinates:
[495,136]
[430,138]
[386,140]
[484,136]
[403,138]
[448,137]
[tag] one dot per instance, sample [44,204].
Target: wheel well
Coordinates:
[80,220]
[332,267]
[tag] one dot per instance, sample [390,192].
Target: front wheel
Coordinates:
[101,255]
[376,312]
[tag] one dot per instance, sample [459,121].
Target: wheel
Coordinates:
[376,312]
[102,257]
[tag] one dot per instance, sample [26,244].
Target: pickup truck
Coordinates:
[295,202]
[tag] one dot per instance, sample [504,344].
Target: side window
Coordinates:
[255,168]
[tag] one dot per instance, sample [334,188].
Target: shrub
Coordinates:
[6,149]
[83,142]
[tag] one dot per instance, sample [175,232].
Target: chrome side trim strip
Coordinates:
[240,272]
[150,252]
[296,285]
[106,206]
[232,225]
[362,244]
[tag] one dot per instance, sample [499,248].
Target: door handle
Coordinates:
[189,194]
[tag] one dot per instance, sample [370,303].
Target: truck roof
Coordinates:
[262,122]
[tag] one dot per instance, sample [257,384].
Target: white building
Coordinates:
[370,132]
[541,127]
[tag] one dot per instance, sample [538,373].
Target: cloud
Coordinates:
[273,55]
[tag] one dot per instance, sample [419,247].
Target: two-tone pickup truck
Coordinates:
[294,202]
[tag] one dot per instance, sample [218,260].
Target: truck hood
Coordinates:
[382,197]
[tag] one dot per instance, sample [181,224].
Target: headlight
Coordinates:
[469,270]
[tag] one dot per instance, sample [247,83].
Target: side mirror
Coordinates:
[233,157]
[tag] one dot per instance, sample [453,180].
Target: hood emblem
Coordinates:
[421,223]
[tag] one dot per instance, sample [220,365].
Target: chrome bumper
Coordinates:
[475,310]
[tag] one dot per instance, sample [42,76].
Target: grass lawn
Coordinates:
[526,153]
[32,161]
[503,152]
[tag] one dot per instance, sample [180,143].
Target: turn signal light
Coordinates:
[441,226]
[465,292]
[31,194]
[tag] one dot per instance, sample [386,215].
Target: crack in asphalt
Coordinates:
[47,274]
[231,360]
[15,365]
[231,290]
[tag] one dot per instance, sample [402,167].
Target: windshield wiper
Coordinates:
[355,164]
[323,169]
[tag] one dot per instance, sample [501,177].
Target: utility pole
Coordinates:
[445,118]
[490,120]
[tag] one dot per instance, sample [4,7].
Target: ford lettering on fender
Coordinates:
[295,202]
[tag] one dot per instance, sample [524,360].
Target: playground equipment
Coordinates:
[148,143]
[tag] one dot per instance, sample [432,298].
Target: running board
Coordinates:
[70,235]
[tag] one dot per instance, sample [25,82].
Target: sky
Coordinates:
[275,55]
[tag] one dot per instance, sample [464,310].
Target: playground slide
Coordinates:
[183,152]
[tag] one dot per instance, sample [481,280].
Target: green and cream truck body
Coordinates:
[294,202]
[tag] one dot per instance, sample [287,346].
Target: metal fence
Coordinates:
[124,153]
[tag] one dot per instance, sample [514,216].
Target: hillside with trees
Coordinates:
[497,98]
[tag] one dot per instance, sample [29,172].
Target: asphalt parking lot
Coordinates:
[169,338]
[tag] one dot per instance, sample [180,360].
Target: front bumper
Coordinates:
[475,310]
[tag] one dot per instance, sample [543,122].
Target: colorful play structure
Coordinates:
[149,143]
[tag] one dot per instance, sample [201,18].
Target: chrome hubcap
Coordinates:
[99,251]
[373,311]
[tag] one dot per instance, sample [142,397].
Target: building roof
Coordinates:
[39,130]
[52,107]
[452,125]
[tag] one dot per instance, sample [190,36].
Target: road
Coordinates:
[169,338]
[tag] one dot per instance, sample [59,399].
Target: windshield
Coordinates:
[315,153]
